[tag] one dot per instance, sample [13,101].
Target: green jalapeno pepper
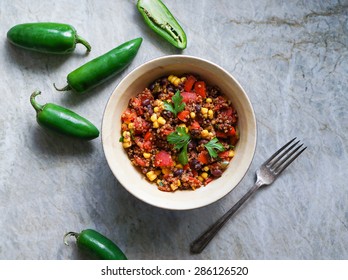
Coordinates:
[63,120]
[102,68]
[160,19]
[96,244]
[46,37]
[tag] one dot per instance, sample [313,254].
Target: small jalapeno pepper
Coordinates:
[46,37]
[160,19]
[96,244]
[102,68]
[62,120]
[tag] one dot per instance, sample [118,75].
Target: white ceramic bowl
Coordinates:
[131,178]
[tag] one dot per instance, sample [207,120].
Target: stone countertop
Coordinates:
[290,57]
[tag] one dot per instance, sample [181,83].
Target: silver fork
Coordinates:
[268,172]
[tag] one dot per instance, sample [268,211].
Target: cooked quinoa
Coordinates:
[180,132]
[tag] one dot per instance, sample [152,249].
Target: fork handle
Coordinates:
[198,245]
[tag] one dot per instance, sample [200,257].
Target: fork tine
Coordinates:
[279,151]
[275,162]
[289,159]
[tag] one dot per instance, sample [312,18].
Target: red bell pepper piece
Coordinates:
[203,157]
[183,115]
[200,88]
[189,83]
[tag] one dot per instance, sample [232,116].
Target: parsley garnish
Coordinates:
[180,139]
[213,146]
[177,105]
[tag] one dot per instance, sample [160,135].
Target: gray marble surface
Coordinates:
[291,58]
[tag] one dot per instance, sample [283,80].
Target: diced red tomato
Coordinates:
[189,83]
[200,88]
[140,125]
[128,116]
[195,125]
[148,136]
[220,134]
[224,154]
[203,157]
[207,181]
[188,97]
[147,145]
[163,159]
[187,166]
[183,115]
[232,132]
[227,112]
[139,161]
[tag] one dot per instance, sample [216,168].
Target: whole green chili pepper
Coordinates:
[46,37]
[102,68]
[96,244]
[160,19]
[63,120]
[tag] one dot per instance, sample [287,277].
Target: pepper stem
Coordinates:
[67,235]
[80,40]
[38,107]
[66,88]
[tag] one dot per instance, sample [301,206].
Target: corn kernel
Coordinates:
[153,117]
[173,187]
[206,168]
[131,125]
[166,171]
[192,115]
[183,79]
[209,100]
[155,124]
[126,134]
[158,172]
[204,133]
[184,125]
[200,178]
[156,109]
[210,114]
[126,144]
[158,103]
[146,155]
[204,175]
[204,110]
[231,153]
[179,183]
[174,80]
[151,175]
[179,165]
[161,120]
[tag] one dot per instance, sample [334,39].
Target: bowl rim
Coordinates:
[154,60]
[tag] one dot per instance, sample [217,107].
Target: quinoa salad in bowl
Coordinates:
[180,132]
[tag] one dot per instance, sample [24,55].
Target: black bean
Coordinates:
[178,172]
[146,102]
[216,173]
[192,145]
[167,114]
[195,164]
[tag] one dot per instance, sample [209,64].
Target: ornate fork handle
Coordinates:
[201,242]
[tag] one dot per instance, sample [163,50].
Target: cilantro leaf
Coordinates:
[182,157]
[180,139]
[213,146]
[177,105]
